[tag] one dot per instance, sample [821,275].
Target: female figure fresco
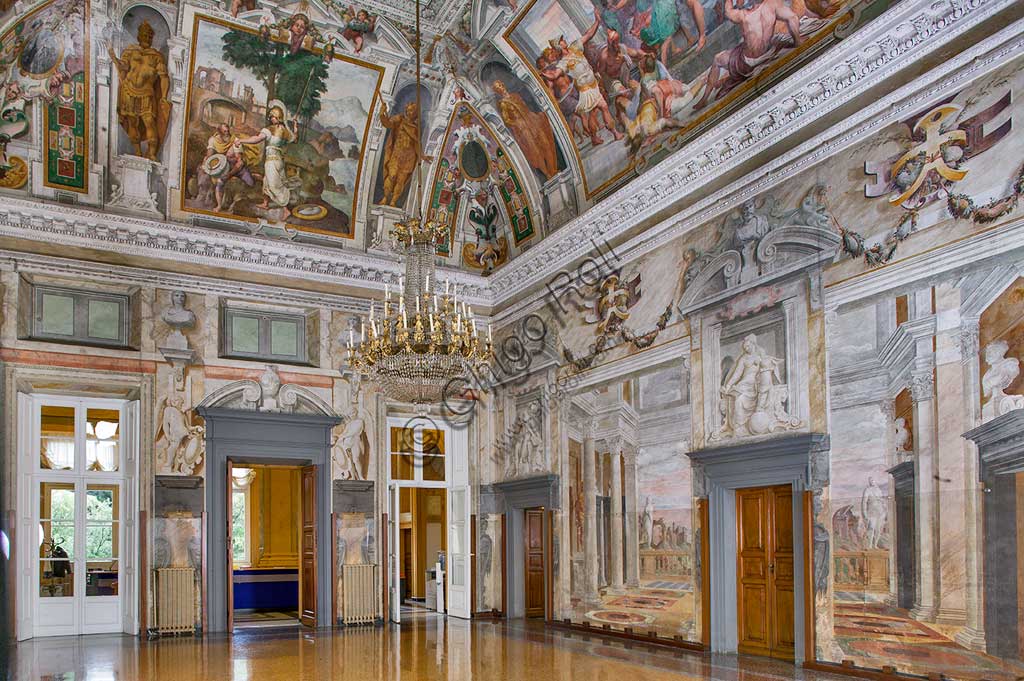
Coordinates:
[276,135]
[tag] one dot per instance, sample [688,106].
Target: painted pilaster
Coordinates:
[632,521]
[590,513]
[923,393]
[973,633]
[950,458]
[888,409]
[615,579]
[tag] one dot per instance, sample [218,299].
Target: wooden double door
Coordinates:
[765,571]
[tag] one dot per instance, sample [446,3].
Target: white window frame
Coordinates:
[246,560]
[417,470]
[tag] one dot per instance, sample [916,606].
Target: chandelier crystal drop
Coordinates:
[428,345]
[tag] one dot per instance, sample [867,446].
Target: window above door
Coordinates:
[78,436]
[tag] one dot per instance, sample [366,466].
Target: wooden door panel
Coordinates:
[307,548]
[782,577]
[765,571]
[534,550]
[752,572]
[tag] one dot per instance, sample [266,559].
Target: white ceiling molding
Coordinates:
[895,41]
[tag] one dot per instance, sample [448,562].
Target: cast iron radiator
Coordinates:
[359,594]
[175,600]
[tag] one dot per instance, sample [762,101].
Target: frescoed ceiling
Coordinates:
[296,120]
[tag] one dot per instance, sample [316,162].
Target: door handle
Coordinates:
[771,568]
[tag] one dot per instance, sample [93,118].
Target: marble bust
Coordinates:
[178,317]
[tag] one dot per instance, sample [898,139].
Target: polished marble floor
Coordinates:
[423,648]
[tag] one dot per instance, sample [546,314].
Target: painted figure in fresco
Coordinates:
[647,524]
[564,89]
[235,156]
[872,509]
[298,33]
[592,106]
[179,441]
[358,23]
[761,43]
[753,395]
[401,152]
[669,94]
[531,130]
[242,5]
[276,136]
[1002,372]
[657,22]
[143,108]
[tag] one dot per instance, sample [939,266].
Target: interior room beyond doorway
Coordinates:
[423,543]
[265,545]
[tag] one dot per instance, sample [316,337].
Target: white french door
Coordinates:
[394,554]
[79,543]
[459,564]
[428,455]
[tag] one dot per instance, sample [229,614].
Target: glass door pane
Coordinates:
[57,438]
[102,440]
[56,539]
[102,525]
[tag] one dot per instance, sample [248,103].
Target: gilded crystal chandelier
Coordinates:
[419,348]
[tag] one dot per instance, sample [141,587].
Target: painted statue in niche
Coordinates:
[626,75]
[351,448]
[401,146]
[531,130]
[401,152]
[13,169]
[44,60]
[179,440]
[276,125]
[1002,371]
[143,108]
[753,395]
[176,542]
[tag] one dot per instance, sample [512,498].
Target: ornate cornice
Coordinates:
[32,263]
[125,235]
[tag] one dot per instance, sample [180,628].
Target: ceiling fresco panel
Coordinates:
[630,78]
[276,127]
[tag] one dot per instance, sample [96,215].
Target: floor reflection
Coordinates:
[421,648]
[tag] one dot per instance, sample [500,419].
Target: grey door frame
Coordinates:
[269,438]
[512,498]
[782,461]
